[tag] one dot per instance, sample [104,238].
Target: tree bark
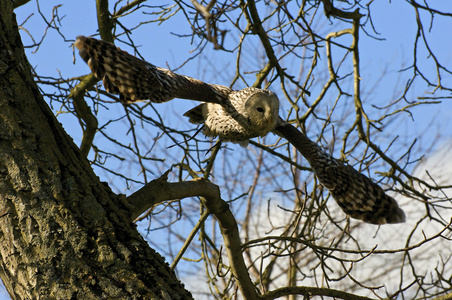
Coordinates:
[63,233]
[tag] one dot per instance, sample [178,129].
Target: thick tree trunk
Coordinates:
[63,234]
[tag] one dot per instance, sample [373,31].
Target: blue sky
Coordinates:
[394,22]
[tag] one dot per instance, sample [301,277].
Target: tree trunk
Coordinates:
[63,233]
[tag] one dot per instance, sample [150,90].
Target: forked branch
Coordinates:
[160,190]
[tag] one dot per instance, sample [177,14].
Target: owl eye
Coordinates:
[260,109]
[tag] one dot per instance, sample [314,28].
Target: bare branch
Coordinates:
[160,190]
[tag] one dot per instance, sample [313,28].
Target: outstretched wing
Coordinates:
[134,79]
[357,195]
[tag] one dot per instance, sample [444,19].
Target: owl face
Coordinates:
[261,109]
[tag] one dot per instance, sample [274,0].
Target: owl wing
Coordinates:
[196,115]
[134,79]
[357,195]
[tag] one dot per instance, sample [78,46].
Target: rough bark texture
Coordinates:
[63,234]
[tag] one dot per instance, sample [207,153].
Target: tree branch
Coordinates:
[160,190]
[309,292]
[83,111]
[330,10]
[104,21]
[260,31]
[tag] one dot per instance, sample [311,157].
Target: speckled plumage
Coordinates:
[357,195]
[232,115]
[236,116]
[248,113]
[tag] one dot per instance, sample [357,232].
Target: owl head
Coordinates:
[262,110]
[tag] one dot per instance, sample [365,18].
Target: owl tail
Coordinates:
[196,115]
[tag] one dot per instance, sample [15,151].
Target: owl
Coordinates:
[231,115]
[356,194]
[236,116]
[248,113]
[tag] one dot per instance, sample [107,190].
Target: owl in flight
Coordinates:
[357,195]
[231,115]
[236,116]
